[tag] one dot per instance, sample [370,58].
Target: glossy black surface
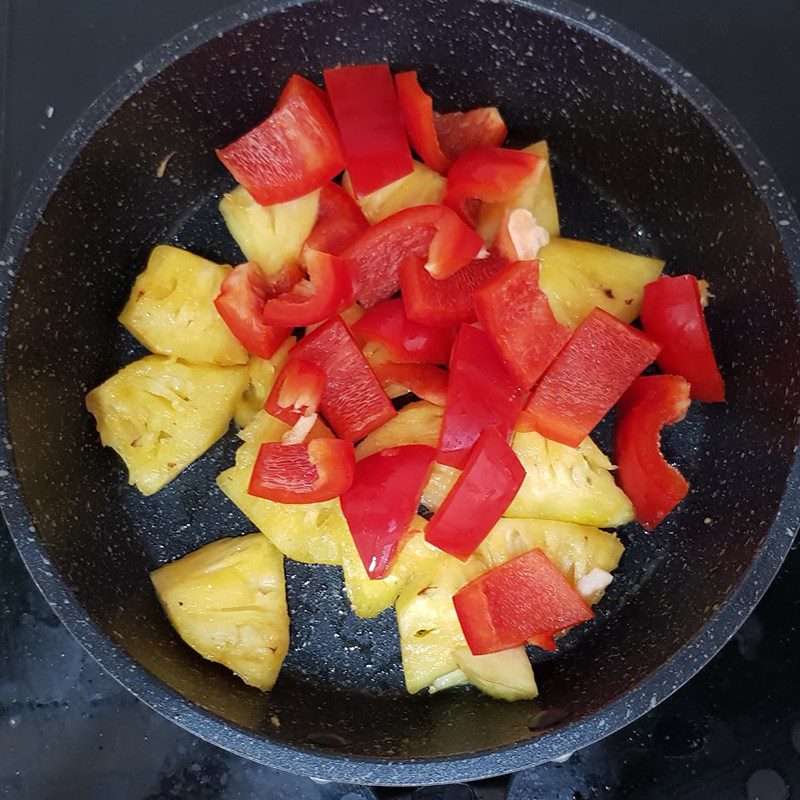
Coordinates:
[577,217]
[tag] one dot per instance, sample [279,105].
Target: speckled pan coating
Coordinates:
[646,159]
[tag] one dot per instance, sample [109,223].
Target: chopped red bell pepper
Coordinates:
[369,119]
[481,394]
[417,108]
[328,290]
[433,234]
[525,599]
[423,380]
[516,314]
[339,221]
[407,341]
[240,302]
[460,131]
[600,361]
[353,402]
[672,315]
[654,486]
[303,473]
[382,501]
[297,391]
[483,491]
[294,151]
[298,86]
[447,302]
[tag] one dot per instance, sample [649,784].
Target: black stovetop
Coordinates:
[68,731]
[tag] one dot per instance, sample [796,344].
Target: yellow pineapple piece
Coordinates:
[567,483]
[577,276]
[171,309]
[416,423]
[269,235]
[506,675]
[160,415]
[539,198]
[310,532]
[421,187]
[441,481]
[227,601]
[263,374]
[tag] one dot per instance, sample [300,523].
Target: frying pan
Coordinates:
[646,160]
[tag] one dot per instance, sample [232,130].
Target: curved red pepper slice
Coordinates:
[525,599]
[460,131]
[298,86]
[654,486]
[297,391]
[423,380]
[600,361]
[407,341]
[294,151]
[672,315]
[483,491]
[434,234]
[516,314]
[417,108]
[240,303]
[303,473]
[382,500]
[339,221]
[328,290]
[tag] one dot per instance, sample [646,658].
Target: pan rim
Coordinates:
[720,626]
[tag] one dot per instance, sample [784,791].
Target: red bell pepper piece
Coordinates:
[384,497]
[417,108]
[353,402]
[368,115]
[516,314]
[653,486]
[519,601]
[297,391]
[303,473]
[481,394]
[600,361]
[240,302]
[672,315]
[423,380]
[298,86]
[291,153]
[328,290]
[339,221]
[460,131]
[483,491]
[407,341]
[433,234]
[448,302]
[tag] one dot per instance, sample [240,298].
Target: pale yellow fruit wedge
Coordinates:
[262,377]
[416,423]
[507,675]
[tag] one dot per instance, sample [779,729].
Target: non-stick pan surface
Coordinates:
[646,160]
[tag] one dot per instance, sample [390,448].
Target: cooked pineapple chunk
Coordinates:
[160,415]
[171,309]
[310,533]
[507,675]
[416,423]
[263,373]
[439,484]
[269,235]
[539,199]
[577,276]
[420,187]
[567,483]
[227,601]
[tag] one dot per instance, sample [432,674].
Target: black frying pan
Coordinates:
[646,160]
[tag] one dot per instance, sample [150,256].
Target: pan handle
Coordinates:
[492,789]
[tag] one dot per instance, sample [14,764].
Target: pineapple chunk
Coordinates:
[227,601]
[439,484]
[567,483]
[269,235]
[577,276]
[421,187]
[160,415]
[416,423]
[263,373]
[539,199]
[311,532]
[506,675]
[171,309]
